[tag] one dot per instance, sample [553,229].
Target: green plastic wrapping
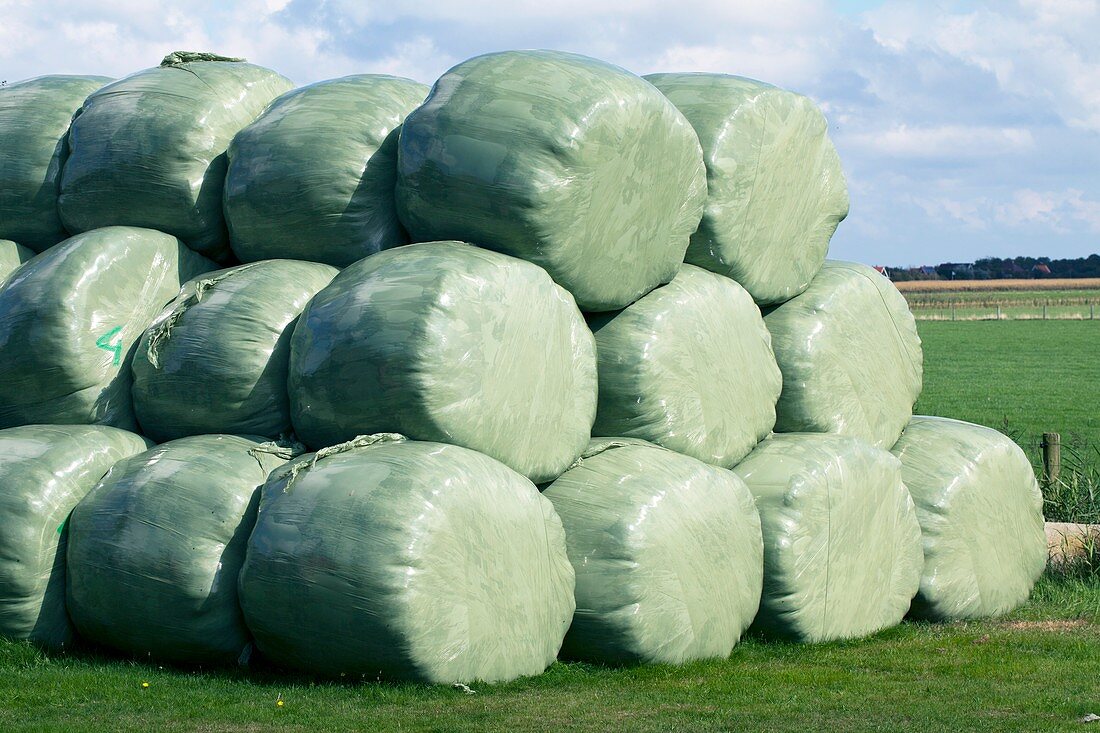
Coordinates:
[156,547]
[850,356]
[569,162]
[776,191]
[842,547]
[689,367]
[981,515]
[44,471]
[12,255]
[447,342]
[149,150]
[215,360]
[312,178]
[407,560]
[667,551]
[69,320]
[34,124]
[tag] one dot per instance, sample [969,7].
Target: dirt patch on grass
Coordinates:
[1057,625]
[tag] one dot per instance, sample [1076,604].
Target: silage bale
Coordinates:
[981,514]
[155,549]
[12,255]
[44,471]
[569,162]
[850,356]
[776,191]
[216,358]
[312,178]
[689,367]
[34,126]
[407,560]
[842,547]
[447,342]
[667,551]
[70,318]
[149,150]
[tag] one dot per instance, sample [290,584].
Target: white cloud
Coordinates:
[944,141]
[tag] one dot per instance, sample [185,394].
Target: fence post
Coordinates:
[1092,307]
[998,312]
[1044,310]
[1052,457]
[952,311]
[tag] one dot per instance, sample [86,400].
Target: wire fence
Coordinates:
[1052,310]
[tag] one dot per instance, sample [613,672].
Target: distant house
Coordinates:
[1041,270]
[928,270]
[881,269]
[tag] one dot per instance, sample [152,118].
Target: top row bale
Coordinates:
[571,163]
[149,150]
[34,125]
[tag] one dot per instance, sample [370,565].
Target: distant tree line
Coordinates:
[996,268]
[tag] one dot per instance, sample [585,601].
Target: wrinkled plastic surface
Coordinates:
[70,318]
[444,341]
[12,255]
[155,549]
[312,178]
[215,360]
[667,551]
[34,123]
[850,356]
[981,514]
[149,150]
[407,560]
[690,367]
[842,547]
[776,191]
[44,471]
[563,160]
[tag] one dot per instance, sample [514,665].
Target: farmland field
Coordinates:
[1023,377]
[1004,299]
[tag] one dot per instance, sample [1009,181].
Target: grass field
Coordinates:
[1031,376]
[1036,670]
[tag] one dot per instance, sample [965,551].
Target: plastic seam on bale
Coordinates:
[359,441]
[162,330]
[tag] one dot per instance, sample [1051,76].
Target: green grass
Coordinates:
[1031,376]
[1022,673]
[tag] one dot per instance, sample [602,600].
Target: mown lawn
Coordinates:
[1033,376]
[1036,670]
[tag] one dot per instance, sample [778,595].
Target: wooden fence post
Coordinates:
[1044,311]
[1052,457]
[952,311]
[998,312]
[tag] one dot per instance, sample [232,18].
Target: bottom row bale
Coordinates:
[842,546]
[981,515]
[155,549]
[667,552]
[44,471]
[408,560]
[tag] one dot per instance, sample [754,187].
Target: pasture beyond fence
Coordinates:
[993,300]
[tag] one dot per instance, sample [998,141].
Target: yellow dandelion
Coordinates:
[144,685]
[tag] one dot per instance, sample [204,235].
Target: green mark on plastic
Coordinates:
[60,527]
[104,342]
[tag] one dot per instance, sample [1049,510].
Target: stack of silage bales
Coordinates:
[514,310]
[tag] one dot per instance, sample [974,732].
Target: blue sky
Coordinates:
[966,128]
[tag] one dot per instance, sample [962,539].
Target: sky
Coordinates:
[967,129]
